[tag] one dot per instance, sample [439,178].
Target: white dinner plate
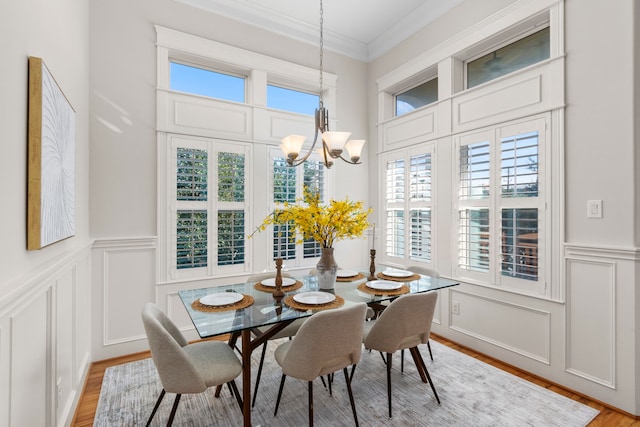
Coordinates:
[397,273]
[314,298]
[286,281]
[347,273]
[384,285]
[221,298]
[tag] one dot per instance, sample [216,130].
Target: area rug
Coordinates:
[472,393]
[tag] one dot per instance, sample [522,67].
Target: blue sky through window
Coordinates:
[291,100]
[199,81]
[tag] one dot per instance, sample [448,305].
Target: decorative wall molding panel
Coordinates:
[531,338]
[45,332]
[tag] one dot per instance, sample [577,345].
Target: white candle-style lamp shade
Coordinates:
[291,146]
[354,148]
[335,141]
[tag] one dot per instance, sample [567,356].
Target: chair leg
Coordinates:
[426,371]
[402,361]
[330,380]
[279,394]
[155,408]
[353,369]
[429,347]
[311,403]
[353,403]
[389,381]
[173,410]
[255,391]
[323,381]
[234,391]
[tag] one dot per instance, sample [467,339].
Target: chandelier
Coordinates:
[333,143]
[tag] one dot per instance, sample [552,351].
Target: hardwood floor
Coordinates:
[607,417]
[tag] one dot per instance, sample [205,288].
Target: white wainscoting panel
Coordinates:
[127,285]
[196,115]
[520,329]
[411,128]
[591,320]
[30,344]
[508,98]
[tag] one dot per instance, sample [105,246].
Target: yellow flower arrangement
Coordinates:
[340,219]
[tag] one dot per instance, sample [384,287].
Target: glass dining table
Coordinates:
[250,311]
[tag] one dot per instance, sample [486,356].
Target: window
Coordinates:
[198,81]
[214,130]
[500,203]
[417,97]
[292,100]
[210,232]
[408,201]
[519,54]
[288,184]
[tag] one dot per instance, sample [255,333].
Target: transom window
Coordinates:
[291,100]
[200,81]
[416,97]
[519,54]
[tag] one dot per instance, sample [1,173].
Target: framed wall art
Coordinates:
[51,160]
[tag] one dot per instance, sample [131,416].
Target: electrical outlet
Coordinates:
[455,307]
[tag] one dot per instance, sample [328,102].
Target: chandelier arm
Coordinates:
[349,161]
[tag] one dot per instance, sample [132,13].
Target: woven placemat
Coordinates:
[260,287]
[338,302]
[364,288]
[350,279]
[398,279]
[246,301]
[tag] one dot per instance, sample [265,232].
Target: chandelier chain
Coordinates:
[321,51]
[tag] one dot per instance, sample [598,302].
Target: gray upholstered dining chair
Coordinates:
[323,345]
[288,331]
[183,367]
[405,323]
[425,272]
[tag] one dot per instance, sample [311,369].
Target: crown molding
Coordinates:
[266,18]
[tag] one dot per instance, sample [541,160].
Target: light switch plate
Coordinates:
[594,208]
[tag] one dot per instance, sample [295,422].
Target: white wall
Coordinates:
[45,294]
[585,336]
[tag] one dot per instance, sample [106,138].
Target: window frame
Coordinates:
[503,42]
[299,261]
[212,206]
[406,205]
[495,203]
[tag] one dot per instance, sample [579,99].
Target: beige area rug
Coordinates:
[471,392]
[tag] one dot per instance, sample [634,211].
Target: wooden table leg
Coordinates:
[246,377]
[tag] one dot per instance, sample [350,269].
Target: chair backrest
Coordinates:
[405,323]
[328,341]
[259,277]
[177,372]
[424,271]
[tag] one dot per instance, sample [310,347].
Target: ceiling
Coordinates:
[361,29]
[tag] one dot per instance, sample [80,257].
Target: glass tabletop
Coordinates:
[267,310]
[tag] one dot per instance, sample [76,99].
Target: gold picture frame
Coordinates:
[51,160]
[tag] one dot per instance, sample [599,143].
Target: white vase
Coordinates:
[327,270]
